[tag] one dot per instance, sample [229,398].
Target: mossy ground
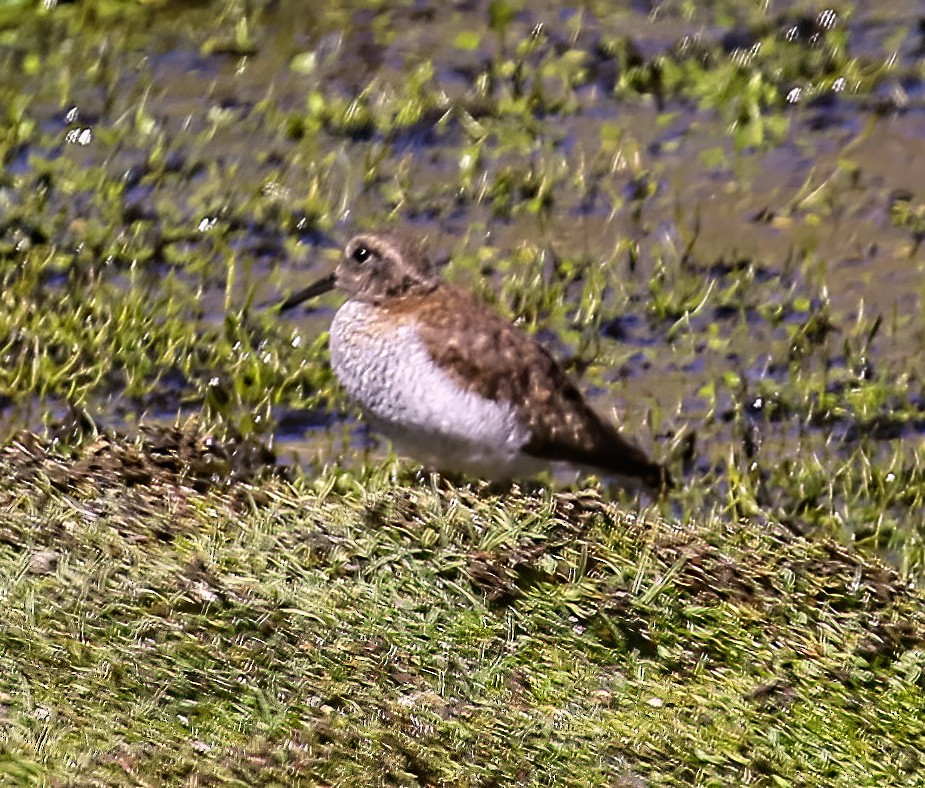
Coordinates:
[712,215]
[165,625]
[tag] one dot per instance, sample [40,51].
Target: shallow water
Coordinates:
[764,297]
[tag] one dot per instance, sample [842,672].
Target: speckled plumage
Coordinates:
[451,382]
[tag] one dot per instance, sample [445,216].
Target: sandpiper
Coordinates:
[452,383]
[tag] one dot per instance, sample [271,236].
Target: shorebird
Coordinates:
[452,383]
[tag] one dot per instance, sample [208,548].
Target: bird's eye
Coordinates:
[361,254]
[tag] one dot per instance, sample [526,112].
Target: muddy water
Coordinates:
[654,187]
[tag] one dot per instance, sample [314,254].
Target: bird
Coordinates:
[452,383]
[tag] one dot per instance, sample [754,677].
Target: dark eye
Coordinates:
[361,254]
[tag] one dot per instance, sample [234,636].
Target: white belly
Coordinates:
[418,406]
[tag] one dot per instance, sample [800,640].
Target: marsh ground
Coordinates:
[712,215]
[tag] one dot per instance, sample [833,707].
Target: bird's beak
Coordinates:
[313,290]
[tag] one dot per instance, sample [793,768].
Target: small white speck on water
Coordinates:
[79,137]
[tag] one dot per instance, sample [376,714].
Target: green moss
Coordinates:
[270,631]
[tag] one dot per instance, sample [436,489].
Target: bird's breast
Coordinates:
[386,369]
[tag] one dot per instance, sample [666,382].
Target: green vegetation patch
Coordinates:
[168,626]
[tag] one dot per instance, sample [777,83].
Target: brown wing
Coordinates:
[485,352]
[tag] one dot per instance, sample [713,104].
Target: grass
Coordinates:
[731,268]
[164,626]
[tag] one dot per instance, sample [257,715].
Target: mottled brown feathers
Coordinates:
[487,354]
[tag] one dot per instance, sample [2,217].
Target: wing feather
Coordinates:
[486,353]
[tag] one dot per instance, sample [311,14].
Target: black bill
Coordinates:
[314,289]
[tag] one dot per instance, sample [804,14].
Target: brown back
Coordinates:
[485,353]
